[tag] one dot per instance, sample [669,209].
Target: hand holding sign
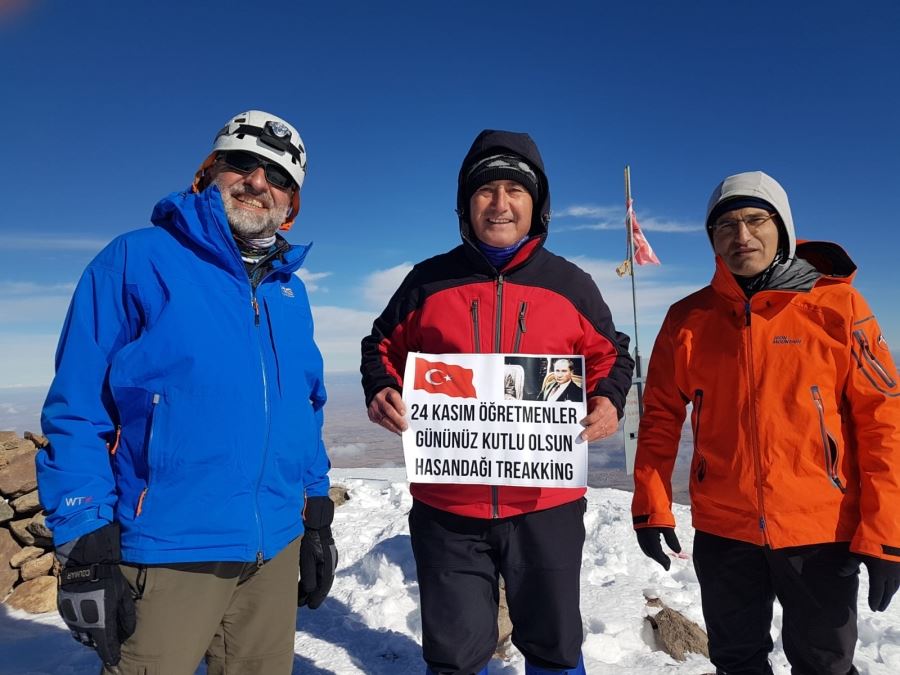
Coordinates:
[388,410]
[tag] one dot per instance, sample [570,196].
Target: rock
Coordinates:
[13,446]
[36,596]
[7,436]
[8,575]
[38,567]
[27,504]
[32,532]
[6,511]
[20,532]
[19,477]
[38,440]
[26,554]
[339,494]
[677,635]
[42,534]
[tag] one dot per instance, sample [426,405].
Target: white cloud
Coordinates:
[380,285]
[23,302]
[338,334]
[310,279]
[348,451]
[613,218]
[30,287]
[26,360]
[52,242]
[588,211]
[657,288]
[657,225]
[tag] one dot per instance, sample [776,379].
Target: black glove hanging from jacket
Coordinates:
[94,598]
[648,540]
[884,580]
[318,554]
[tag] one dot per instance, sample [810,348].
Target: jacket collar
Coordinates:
[830,260]
[200,219]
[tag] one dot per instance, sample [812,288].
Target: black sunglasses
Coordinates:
[246,162]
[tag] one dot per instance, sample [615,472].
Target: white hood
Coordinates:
[761,186]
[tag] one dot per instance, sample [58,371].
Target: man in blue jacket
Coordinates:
[186,473]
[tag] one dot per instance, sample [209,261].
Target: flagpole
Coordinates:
[639,375]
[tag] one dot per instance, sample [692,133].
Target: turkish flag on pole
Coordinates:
[443,378]
[643,254]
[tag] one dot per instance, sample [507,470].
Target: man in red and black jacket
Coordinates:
[500,291]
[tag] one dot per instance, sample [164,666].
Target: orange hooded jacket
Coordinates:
[796,415]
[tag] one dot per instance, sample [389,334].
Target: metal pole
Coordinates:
[639,375]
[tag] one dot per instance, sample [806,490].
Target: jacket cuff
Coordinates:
[318,512]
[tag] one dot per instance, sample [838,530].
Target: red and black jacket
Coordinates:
[538,303]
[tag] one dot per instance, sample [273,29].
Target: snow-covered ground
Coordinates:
[370,622]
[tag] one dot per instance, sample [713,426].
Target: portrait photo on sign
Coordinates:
[545,379]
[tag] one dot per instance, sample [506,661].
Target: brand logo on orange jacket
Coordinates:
[785,340]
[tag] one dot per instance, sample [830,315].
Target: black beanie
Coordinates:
[502,167]
[736,203]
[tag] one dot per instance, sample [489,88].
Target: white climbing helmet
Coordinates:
[268,136]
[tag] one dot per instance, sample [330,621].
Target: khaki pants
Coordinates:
[242,618]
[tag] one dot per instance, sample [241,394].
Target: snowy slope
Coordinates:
[370,622]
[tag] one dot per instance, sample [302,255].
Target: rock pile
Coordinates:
[27,571]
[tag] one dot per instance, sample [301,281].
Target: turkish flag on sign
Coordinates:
[443,378]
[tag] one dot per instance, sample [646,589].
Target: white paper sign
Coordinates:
[495,419]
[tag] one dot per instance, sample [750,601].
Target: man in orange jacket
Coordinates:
[796,426]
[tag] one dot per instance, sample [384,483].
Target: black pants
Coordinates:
[458,560]
[816,586]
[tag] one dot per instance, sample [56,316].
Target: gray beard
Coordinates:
[246,224]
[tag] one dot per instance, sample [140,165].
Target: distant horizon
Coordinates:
[352,441]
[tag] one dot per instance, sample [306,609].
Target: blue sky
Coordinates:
[111,105]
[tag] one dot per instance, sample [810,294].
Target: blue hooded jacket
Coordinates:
[186,405]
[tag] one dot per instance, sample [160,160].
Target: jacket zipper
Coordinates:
[140,505]
[265,451]
[701,464]
[254,304]
[260,559]
[114,447]
[829,445]
[520,327]
[873,363]
[754,430]
[475,336]
[495,489]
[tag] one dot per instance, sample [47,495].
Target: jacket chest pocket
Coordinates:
[874,370]
[830,448]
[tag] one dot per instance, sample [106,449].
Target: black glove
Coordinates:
[318,554]
[884,579]
[648,540]
[94,598]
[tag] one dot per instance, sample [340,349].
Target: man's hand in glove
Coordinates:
[94,598]
[318,554]
[884,579]
[648,540]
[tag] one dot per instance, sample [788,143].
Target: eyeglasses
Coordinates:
[246,162]
[729,226]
